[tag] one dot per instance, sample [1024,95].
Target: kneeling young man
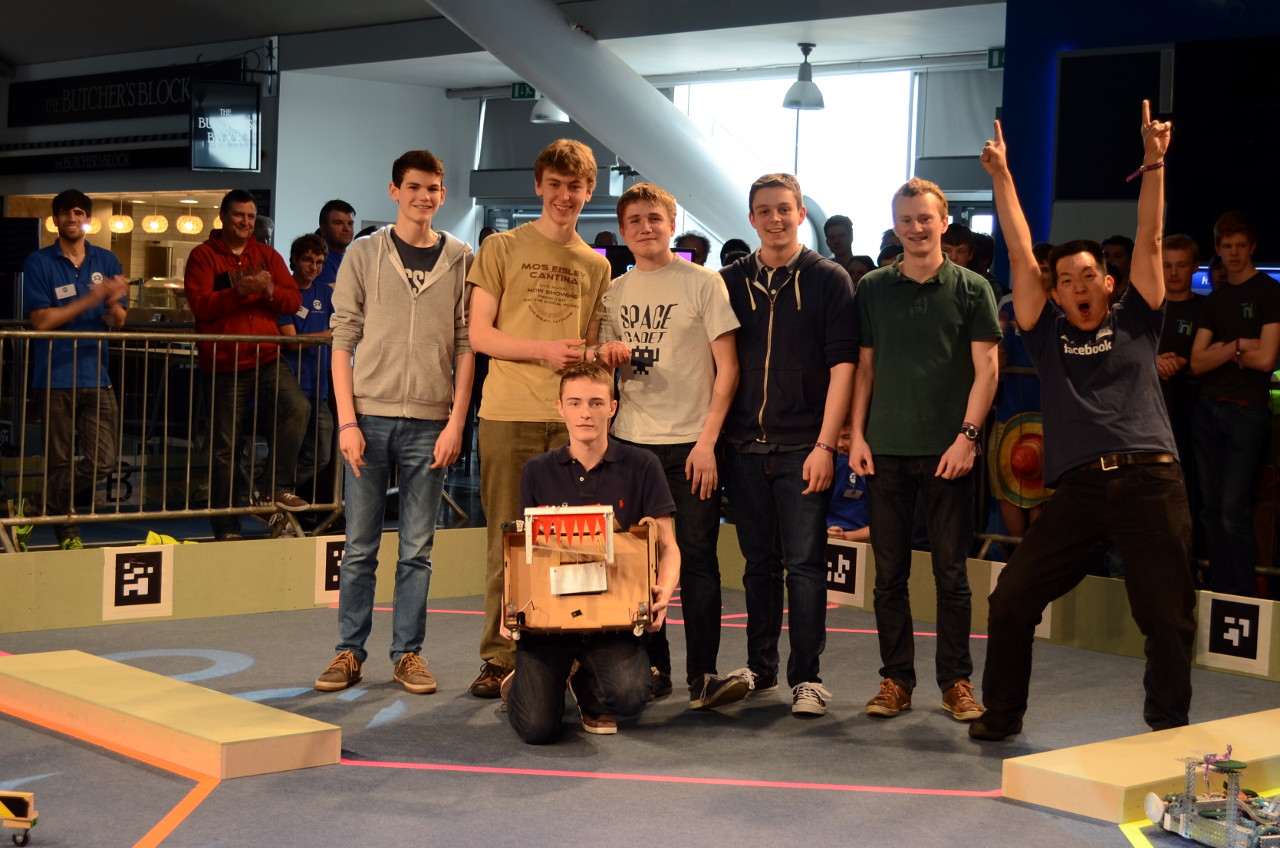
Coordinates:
[1109,453]
[612,677]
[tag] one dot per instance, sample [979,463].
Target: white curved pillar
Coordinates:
[610,100]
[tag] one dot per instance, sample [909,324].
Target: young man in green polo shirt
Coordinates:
[926,377]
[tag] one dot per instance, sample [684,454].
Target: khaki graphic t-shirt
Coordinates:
[545,291]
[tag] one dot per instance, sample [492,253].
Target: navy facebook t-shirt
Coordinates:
[1099,389]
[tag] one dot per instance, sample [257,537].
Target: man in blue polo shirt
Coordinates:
[77,287]
[310,362]
[612,678]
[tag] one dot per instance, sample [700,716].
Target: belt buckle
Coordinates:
[1115,462]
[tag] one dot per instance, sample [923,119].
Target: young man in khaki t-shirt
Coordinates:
[535,308]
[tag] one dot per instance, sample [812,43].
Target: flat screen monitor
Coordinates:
[1200,279]
[225,121]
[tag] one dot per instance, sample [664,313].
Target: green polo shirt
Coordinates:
[921,334]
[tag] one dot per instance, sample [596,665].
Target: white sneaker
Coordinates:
[809,699]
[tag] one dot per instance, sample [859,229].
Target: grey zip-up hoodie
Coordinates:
[407,338]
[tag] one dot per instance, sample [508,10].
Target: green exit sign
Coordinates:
[995,58]
[523,91]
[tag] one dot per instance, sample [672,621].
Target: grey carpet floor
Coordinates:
[445,769]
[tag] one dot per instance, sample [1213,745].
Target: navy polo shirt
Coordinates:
[629,479]
[50,280]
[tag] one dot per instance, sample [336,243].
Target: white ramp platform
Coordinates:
[1109,780]
[205,731]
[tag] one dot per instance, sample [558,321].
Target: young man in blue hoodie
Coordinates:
[797,348]
[402,400]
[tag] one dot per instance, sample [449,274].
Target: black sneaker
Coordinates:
[991,728]
[712,691]
[659,683]
[487,685]
[757,684]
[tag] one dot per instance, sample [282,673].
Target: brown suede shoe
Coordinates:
[342,673]
[890,700]
[411,673]
[959,701]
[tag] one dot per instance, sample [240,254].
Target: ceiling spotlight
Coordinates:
[546,112]
[803,94]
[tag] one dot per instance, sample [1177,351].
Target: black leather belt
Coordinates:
[1112,461]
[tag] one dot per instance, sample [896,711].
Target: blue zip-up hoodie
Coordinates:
[796,325]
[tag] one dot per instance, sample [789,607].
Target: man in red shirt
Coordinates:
[237,285]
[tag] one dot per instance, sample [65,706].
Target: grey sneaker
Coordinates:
[757,684]
[809,699]
[342,673]
[411,673]
[712,691]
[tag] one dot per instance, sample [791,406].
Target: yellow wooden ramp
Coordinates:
[1109,780]
[205,731]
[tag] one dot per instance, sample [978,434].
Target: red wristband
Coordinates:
[827,448]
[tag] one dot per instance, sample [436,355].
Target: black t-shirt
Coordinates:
[1099,389]
[1181,318]
[1239,312]
[627,478]
[418,262]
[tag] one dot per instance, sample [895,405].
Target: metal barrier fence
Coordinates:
[156,454]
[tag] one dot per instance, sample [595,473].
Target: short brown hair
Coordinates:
[1231,223]
[1181,241]
[307,243]
[787,181]
[417,160]
[587,371]
[567,156]
[916,186]
[647,193]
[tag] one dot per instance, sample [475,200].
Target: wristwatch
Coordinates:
[969,431]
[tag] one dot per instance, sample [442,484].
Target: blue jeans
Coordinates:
[405,444]
[948,510]
[697,530]
[1142,511]
[779,528]
[1229,442]
[280,407]
[612,679]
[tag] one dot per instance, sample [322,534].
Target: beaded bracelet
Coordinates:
[1154,166]
[348,426]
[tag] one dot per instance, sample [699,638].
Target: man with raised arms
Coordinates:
[1109,453]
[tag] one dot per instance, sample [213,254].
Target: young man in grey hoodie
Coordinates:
[402,401]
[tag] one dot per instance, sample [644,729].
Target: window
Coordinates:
[853,154]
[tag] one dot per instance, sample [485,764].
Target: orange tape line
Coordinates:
[204,783]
